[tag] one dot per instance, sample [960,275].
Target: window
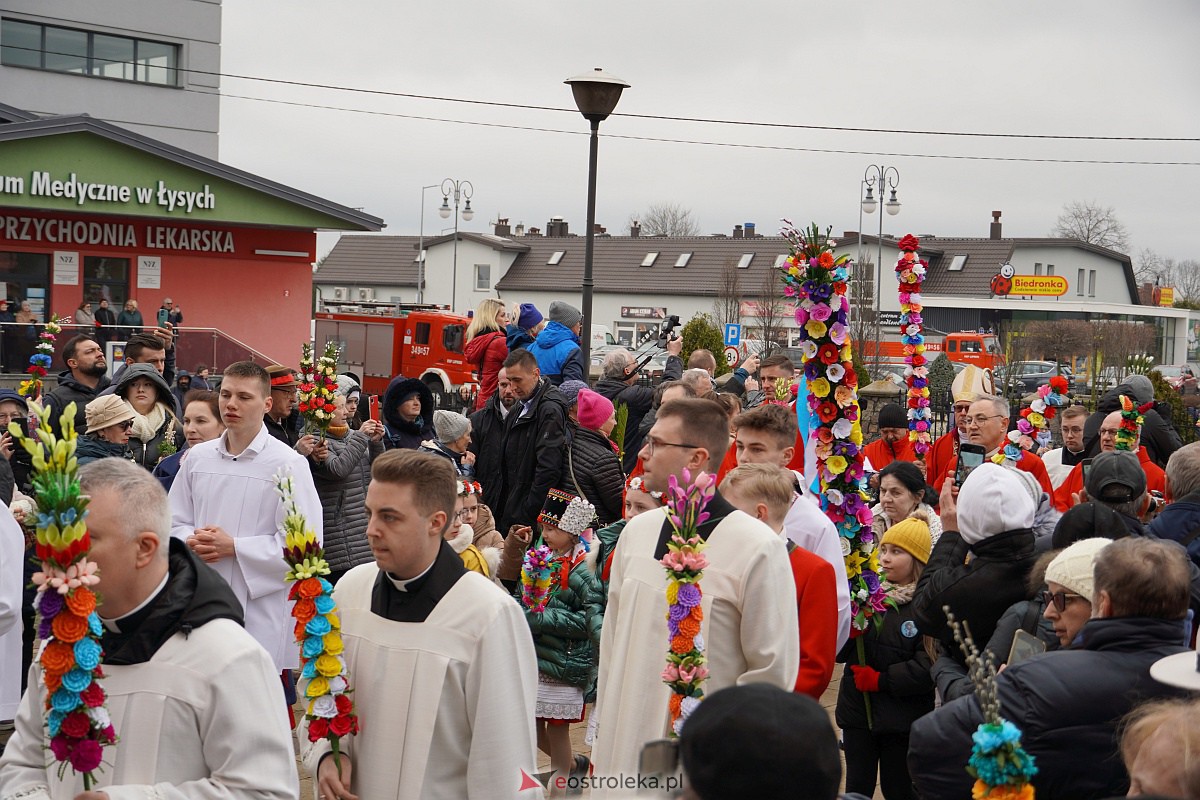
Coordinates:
[1037,268]
[483,277]
[1049,269]
[744,261]
[452,338]
[649,260]
[952,346]
[1079,283]
[422,336]
[1091,283]
[556,257]
[106,279]
[683,259]
[101,55]
[957,263]
[779,261]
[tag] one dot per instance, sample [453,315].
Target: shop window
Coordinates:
[106,279]
[100,55]
[483,277]
[25,276]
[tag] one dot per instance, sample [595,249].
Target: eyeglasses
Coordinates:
[126,425]
[1109,431]
[653,443]
[979,420]
[1059,599]
[962,409]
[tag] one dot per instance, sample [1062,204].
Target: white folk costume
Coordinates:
[196,703]
[237,493]
[12,559]
[749,626]
[444,680]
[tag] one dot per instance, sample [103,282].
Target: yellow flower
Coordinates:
[328,666]
[847,352]
[854,563]
[820,387]
[333,643]
[816,329]
[837,465]
[1036,419]
[316,687]
[672,592]
[856,435]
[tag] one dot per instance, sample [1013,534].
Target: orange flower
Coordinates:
[675,705]
[697,613]
[304,610]
[825,260]
[81,601]
[310,588]
[681,645]
[689,627]
[58,658]
[299,631]
[68,627]
[52,683]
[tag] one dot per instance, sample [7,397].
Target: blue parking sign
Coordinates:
[733,334]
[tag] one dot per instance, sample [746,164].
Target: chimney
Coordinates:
[635,229]
[849,234]
[534,232]
[749,230]
[995,225]
[502,228]
[557,226]
[737,231]
[520,229]
[599,229]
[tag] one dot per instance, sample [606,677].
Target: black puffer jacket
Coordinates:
[1068,705]
[639,400]
[399,432]
[594,471]
[978,592]
[487,443]
[905,686]
[70,391]
[533,456]
[1159,437]
[341,482]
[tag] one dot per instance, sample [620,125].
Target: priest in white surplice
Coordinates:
[225,507]
[749,626]
[440,659]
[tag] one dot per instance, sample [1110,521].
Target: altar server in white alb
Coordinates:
[195,701]
[749,598]
[12,557]
[225,507]
[440,659]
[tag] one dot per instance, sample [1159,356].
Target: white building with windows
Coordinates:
[152,67]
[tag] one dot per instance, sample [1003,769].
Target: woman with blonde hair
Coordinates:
[486,348]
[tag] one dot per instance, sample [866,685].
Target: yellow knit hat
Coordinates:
[912,536]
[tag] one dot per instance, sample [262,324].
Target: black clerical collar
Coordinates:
[422,594]
[718,508]
[132,619]
[1071,459]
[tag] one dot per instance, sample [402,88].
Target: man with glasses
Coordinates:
[1069,704]
[987,426]
[969,385]
[283,418]
[1060,460]
[749,626]
[1071,490]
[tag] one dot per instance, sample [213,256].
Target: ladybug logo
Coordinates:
[1002,283]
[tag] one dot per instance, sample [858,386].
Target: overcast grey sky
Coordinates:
[1071,67]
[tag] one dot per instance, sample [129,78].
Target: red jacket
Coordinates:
[940,458]
[1028,463]
[880,453]
[816,604]
[1156,479]
[487,352]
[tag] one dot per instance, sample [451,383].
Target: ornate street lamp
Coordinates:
[462,190]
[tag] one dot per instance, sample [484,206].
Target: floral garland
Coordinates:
[1033,428]
[330,711]
[818,280]
[77,724]
[535,578]
[1001,767]
[42,358]
[318,387]
[911,272]
[1131,424]
[684,562]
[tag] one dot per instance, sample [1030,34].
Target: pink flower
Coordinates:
[801,316]
[820,312]
[86,756]
[671,673]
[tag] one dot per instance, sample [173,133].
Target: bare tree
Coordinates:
[1185,277]
[770,309]
[865,329]
[1092,223]
[728,305]
[666,219]
[1149,266]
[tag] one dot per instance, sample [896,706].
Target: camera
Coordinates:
[666,332]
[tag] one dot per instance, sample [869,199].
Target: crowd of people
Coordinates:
[1070,573]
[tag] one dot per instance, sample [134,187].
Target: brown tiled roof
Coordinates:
[379,260]
[616,263]
[984,257]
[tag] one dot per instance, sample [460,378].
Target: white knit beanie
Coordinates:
[1074,567]
[993,499]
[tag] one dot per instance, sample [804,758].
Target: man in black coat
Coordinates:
[80,383]
[1069,703]
[619,384]
[487,440]
[1158,436]
[533,444]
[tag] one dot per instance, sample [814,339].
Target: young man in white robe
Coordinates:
[439,658]
[225,507]
[749,598]
[195,701]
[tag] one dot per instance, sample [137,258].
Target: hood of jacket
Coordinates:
[555,333]
[134,371]
[399,389]
[65,378]
[478,346]
[517,338]
[194,596]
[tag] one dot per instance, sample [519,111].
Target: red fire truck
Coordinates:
[382,340]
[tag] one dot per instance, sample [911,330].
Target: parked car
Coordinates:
[598,354]
[1180,377]
[1027,376]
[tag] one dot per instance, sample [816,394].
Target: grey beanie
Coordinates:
[570,390]
[565,314]
[1143,389]
[449,426]
[347,386]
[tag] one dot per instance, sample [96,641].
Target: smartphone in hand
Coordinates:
[162,317]
[970,456]
[373,407]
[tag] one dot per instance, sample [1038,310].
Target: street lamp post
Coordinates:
[883,178]
[596,94]
[462,190]
[421,248]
